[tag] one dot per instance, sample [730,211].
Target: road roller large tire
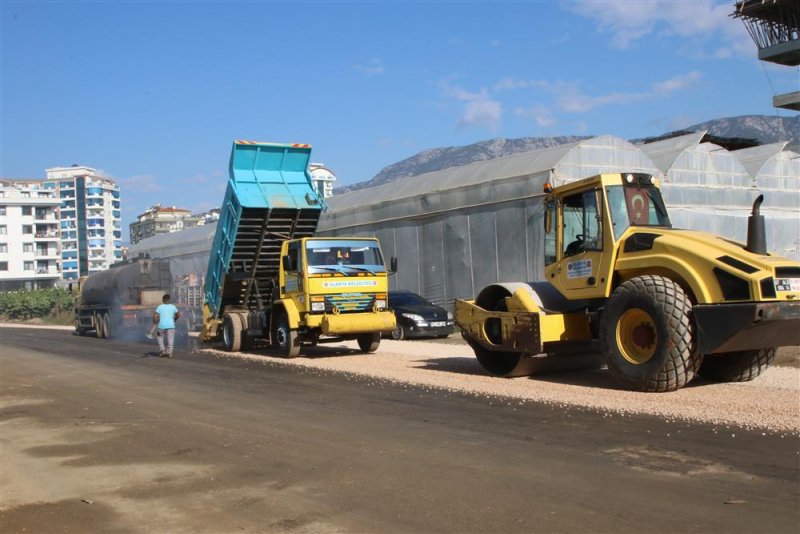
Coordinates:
[647,335]
[232,332]
[740,366]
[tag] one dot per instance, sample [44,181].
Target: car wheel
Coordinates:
[399,332]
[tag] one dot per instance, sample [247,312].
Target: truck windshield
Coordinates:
[348,257]
[636,205]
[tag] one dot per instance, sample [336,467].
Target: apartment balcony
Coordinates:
[46,235]
[45,218]
[47,272]
[47,254]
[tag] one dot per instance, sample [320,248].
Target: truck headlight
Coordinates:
[449,316]
[380,304]
[317,306]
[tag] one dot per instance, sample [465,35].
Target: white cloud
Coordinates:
[480,110]
[696,19]
[541,115]
[142,183]
[512,83]
[373,68]
[677,83]
[570,98]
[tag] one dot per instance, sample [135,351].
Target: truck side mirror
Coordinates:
[548,221]
[287,263]
[393,265]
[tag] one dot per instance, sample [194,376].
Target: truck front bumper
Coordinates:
[746,326]
[352,323]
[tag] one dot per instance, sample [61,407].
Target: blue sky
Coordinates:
[153,93]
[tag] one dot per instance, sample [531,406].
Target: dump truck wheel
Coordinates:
[741,366]
[647,335]
[369,342]
[286,338]
[399,332]
[232,332]
[247,339]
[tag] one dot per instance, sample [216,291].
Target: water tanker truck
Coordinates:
[269,278]
[122,299]
[657,304]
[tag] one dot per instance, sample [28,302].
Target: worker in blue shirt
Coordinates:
[165,316]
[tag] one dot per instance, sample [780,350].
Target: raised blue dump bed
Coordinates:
[269,199]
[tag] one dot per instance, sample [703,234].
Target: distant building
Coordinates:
[29,239]
[89,217]
[160,219]
[775,28]
[322,179]
[207,217]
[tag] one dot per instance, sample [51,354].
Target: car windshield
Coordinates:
[347,257]
[407,299]
[636,205]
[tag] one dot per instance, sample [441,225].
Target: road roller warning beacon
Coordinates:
[657,305]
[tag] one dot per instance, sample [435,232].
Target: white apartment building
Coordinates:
[90,219]
[29,240]
[322,179]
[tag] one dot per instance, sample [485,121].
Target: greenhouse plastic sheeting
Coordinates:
[711,189]
[456,230]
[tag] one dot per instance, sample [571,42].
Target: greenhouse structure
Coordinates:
[456,230]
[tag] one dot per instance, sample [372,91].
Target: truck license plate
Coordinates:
[438,323]
[787,284]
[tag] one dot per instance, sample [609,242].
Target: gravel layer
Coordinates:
[771,403]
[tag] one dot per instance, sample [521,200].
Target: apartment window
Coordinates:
[27,247]
[2,194]
[3,247]
[27,228]
[3,265]
[3,229]
[25,194]
[2,210]
[27,266]
[26,210]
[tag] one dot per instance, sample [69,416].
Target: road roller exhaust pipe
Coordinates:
[756,229]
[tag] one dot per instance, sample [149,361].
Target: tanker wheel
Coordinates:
[99,326]
[647,335]
[369,342]
[286,338]
[232,332]
[741,366]
[108,332]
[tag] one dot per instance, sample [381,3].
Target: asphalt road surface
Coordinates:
[98,436]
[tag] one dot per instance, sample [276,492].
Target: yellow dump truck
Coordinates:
[269,278]
[656,304]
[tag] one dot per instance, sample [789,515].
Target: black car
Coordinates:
[417,317]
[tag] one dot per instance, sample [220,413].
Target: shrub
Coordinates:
[38,303]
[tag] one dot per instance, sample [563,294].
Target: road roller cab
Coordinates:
[622,287]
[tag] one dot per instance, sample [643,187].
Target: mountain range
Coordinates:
[760,129]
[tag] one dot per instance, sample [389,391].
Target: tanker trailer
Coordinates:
[122,299]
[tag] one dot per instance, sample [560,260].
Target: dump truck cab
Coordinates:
[617,275]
